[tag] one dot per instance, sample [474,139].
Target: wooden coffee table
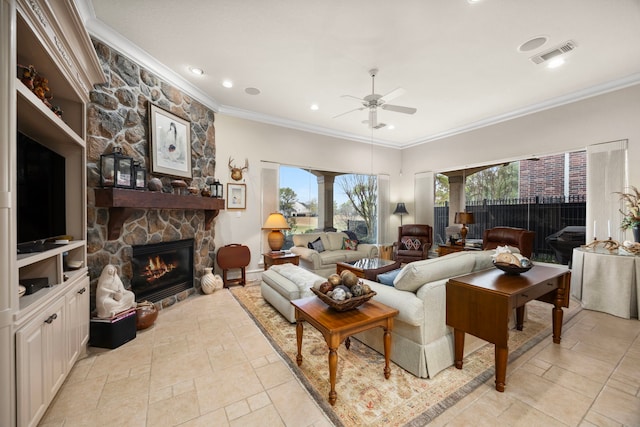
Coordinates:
[481,304]
[338,326]
[368,268]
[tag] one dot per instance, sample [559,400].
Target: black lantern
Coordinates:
[139,176]
[216,189]
[116,169]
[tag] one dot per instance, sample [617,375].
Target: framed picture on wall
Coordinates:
[236,196]
[170,143]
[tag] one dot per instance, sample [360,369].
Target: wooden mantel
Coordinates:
[122,202]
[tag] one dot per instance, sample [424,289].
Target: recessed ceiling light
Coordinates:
[196,71]
[391,127]
[227,83]
[252,91]
[555,62]
[315,107]
[532,44]
[474,1]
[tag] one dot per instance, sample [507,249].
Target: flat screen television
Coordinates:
[40,193]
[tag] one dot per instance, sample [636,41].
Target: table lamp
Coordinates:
[400,210]
[464,218]
[276,222]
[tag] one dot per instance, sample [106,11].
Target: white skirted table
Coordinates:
[606,282]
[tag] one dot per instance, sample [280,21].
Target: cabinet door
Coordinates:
[77,313]
[40,362]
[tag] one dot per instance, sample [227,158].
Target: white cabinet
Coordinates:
[43,334]
[41,363]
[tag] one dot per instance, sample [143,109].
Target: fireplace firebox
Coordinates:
[161,270]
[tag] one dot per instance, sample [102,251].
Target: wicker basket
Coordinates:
[345,305]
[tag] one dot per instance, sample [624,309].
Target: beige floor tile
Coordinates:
[619,406]
[576,362]
[599,420]
[573,381]
[556,401]
[521,414]
[173,411]
[225,387]
[267,416]
[274,374]
[136,385]
[294,405]
[237,410]
[628,371]
[216,418]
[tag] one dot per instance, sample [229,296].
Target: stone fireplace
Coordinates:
[160,270]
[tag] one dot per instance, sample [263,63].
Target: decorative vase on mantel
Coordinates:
[210,282]
[636,233]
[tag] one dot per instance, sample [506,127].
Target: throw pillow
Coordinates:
[388,277]
[350,244]
[351,234]
[411,244]
[317,245]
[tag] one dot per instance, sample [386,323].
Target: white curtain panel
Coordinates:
[270,177]
[424,196]
[384,210]
[607,173]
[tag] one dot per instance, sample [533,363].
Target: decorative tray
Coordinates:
[345,305]
[511,269]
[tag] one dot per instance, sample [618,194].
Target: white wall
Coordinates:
[240,139]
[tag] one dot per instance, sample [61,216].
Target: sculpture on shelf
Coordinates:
[111,296]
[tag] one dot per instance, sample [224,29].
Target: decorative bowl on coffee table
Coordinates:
[347,304]
[512,269]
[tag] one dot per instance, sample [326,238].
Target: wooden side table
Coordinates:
[449,249]
[277,258]
[337,327]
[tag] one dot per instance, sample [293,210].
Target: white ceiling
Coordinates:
[458,62]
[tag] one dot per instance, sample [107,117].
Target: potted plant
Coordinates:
[631,211]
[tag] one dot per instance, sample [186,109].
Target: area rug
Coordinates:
[365,398]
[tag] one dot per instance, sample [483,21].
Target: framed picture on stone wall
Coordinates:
[170,143]
[236,196]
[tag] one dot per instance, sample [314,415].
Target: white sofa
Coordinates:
[324,263]
[422,343]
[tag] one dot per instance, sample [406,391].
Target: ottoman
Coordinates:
[283,283]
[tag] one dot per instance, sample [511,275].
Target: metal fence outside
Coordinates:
[543,215]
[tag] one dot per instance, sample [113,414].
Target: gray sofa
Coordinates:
[422,343]
[324,263]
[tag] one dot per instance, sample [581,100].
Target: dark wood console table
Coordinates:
[481,303]
[122,202]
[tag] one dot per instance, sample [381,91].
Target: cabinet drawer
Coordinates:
[536,292]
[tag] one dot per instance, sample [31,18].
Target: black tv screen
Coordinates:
[41,191]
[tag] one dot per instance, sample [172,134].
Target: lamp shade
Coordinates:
[400,209]
[276,222]
[464,218]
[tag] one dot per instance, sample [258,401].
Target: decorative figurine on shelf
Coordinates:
[27,75]
[111,296]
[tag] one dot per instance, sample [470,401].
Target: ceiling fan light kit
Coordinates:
[373,101]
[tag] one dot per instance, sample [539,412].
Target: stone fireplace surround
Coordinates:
[118,116]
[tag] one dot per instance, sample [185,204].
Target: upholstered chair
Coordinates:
[501,236]
[414,242]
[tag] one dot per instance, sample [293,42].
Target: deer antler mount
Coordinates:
[236,172]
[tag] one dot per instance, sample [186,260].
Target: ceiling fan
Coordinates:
[374,100]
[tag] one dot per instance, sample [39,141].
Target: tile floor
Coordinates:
[205,363]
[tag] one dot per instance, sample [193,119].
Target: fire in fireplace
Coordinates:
[161,270]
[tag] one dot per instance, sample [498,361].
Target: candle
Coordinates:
[594,229]
[609,227]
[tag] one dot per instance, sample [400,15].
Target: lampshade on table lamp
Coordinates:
[464,218]
[276,222]
[400,210]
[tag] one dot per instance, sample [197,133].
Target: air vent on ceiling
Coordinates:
[552,53]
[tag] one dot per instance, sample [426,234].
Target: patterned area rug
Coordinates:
[365,398]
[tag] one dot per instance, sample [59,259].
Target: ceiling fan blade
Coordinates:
[347,112]
[393,94]
[352,97]
[399,108]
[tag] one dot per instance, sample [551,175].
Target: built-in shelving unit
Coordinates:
[122,202]
[50,327]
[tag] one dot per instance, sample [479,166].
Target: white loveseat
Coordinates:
[324,263]
[421,342]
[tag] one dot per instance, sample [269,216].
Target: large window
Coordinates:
[353,204]
[546,195]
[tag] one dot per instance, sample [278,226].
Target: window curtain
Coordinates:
[607,173]
[424,183]
[270,196]
[384,210]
